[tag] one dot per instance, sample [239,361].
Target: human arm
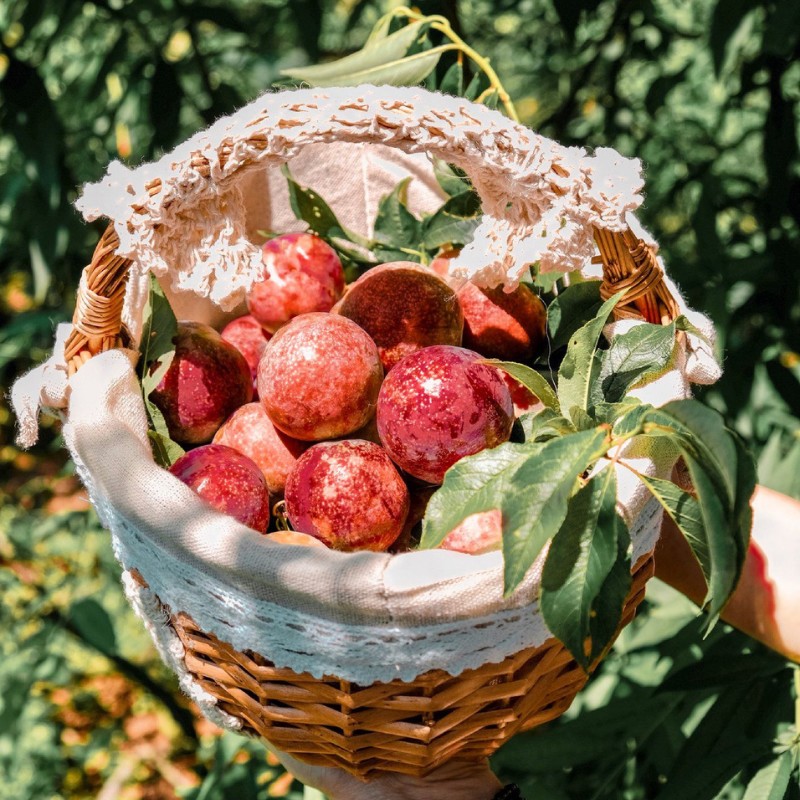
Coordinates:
[766,602]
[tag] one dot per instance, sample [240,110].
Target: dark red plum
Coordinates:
[348,495]
[439,405]
[506,325]
[228,481]
[403,307]
[206,382]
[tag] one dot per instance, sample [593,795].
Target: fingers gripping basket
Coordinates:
[364,661]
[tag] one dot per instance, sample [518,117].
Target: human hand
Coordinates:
[455,780]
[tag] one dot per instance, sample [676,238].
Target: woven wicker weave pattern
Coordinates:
[410,727]
[414,726]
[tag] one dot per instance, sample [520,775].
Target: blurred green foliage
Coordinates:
[706,92]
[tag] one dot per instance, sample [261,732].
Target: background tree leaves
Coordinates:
[640,77]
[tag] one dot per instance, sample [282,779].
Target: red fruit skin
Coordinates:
[478,533]
[441,266]
[506,325]
[403,307]
[319,377]
[206,382]
[250,431]
[439,405]
[348,495]
[523,398]
[249,338]
[302,274]
[228,481]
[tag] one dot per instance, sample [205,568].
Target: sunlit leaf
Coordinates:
[382,61]
[580,366]
[575,588]
[570,310]
[531,379]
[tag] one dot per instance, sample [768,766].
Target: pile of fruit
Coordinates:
[366,403]
[330,412]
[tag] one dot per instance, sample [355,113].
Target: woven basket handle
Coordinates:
[516,172]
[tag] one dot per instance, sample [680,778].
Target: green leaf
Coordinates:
[310,207]
[453,80]
[632,356]
[529,483]
[165,451]
[158,334]
[716,670]
[717,769]
[723,476]
[721,745]
[604,624]
[454,223]
[476,483]
[685,512]
[479,84]
[406,71]
[93,624]
[396,228]
[453,180]
[579,563]
[378,51]
[539,426]
[492,100]
[626,418]
[157,350]
[702,431]
[545,483]
[381,31]
[772,780]
[722,556]
[531,379]
[581,419]
[579,368]
[570,310]
[746,477]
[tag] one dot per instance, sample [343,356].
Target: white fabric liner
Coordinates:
[363,617]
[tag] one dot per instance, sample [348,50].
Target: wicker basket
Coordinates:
[410,727]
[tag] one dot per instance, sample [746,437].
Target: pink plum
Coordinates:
[250,431]
[228,481]
[319,377]
[439,405]
[302,273]
[249,338]
[348,494]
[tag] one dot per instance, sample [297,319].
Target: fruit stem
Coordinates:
[442,24]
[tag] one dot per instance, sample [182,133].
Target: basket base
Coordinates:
[407,727]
